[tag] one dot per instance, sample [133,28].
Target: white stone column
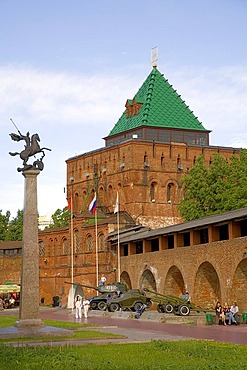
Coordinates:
[29,315]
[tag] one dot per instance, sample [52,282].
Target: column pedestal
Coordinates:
[29,315]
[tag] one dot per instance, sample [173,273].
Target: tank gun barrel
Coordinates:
[108,288]
[83,285]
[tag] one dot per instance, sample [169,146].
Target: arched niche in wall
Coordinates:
[76,202]
[41,248]
[76,241]
[153,191]
[147,280]
[171,192]
[110,196]
[238,287]
[65,246]
[207,286]
[125,279]
[89,243]
[101,241]
[101,195]
[174,282]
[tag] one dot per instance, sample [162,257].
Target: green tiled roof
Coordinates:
[161,107]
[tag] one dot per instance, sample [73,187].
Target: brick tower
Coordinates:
[154,142]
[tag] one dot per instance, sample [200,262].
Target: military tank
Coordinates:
[107,291]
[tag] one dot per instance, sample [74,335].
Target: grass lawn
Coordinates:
[156,355]
[80,331]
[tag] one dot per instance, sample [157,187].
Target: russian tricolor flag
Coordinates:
[92,205]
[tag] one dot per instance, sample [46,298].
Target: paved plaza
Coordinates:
[140,330]
[144,329]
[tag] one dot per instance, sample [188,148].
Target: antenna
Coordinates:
[154,56]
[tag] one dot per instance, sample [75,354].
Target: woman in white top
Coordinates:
[78,307]
[85,304]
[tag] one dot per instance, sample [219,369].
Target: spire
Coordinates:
[154,56]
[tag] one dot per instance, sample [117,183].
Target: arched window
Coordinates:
[65,246]
[101,240]
[41,248]
[152,189]
[76,241]
[170,192]
[89,243]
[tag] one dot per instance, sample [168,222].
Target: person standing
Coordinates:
[85,304]
[78,307]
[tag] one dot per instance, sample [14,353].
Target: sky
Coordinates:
[67,68]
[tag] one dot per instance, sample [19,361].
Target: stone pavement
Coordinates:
[145,329]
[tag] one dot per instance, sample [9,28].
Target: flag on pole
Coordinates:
[116,208]
[92,205]
[69,203]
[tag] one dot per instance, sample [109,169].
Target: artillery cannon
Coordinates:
[99,302]
[170,303]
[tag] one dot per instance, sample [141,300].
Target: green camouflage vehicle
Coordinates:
[132,300]
[99,302]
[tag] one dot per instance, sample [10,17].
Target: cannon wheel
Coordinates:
[102,306]
[160,308]
[137,306]
[183,310]
[114,307]
[169,308]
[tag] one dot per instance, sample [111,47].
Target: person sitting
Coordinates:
[186,297]
[220,313]
[108,297]
[102,280]
[229,315]
[234,310]
[11,302]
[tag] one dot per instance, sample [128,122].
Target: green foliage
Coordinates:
[15,227]
[60,218]
[4,221]
[11,229]
[219,188]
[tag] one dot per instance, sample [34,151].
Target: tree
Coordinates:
[4,221]
[219,188]
[15,227]
[60,218]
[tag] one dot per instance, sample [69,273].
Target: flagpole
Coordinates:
[118,247]
[72,251]
[116,210]
[96,249]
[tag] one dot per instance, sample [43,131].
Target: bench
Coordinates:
[220,322]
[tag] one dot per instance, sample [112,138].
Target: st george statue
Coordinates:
[31,148]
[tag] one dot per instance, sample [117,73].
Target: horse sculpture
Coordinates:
[32,148]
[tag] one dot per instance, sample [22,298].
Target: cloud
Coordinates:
[72,112]
[218,97]
[62,97]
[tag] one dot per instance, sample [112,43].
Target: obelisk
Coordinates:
[29,316]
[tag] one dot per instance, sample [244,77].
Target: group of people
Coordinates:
[8,302]
[227,313]
[81,304]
